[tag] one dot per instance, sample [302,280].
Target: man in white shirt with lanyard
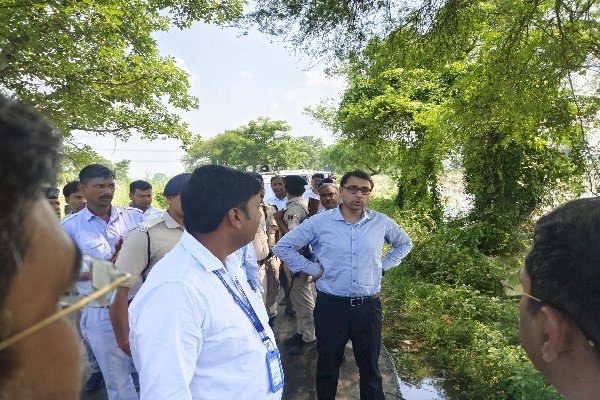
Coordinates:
[197,329]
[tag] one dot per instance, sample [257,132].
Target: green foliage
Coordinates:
[445,299]
[263,141]
[94,65]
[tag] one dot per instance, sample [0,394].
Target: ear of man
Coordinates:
[557,333]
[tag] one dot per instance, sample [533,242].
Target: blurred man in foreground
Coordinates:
[38,262]
[560,306]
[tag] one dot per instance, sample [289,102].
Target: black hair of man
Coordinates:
[211,192]
[357,174]
[95,171]
[29,156]
[295,185]
[274,177]
[318,175]
[139,185]
[70,188]
[258,177]
[564,264]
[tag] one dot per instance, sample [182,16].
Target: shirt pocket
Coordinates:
[95,247]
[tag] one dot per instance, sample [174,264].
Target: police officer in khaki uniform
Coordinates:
[302,290]
[268,264]
[144,247]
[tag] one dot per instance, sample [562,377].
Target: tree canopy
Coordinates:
[262,141]
[94,65]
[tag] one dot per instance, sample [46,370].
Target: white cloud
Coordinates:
[246,74]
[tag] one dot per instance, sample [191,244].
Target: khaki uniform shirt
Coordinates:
[296,211]
[164,234]
[265,237]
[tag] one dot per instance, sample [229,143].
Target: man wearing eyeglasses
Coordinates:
[99,230]
[560,307]
[347,243]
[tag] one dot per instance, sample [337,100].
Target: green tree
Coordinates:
[94,65]
[264,141]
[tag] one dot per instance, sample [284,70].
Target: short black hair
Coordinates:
[70,188]
[357,174]
[29,156]
[211,192]
[139,185]
[277,177]
[564,264]
[258,177]
[318,175]
[95,171]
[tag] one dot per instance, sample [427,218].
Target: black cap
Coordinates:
[175,184]
[296,180]
[50,192]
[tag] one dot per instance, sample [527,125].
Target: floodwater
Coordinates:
[427,389]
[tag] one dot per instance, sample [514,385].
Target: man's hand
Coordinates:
[118,246]
[278,215]
[316,277]
[125,347]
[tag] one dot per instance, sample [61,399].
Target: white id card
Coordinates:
[275,370]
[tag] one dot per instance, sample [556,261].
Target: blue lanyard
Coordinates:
[248,310]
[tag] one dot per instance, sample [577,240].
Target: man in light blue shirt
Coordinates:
[99,230]
[347,242]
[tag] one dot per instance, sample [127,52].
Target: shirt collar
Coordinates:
[114,211]
[206,258]
[337,214]
[170,221]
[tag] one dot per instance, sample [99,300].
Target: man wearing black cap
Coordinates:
[51,194]
[301,289]
[143,248]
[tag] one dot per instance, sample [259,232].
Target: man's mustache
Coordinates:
[106,197]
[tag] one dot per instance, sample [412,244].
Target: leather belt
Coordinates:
[352,301]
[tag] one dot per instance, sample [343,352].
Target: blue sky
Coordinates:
[237,79]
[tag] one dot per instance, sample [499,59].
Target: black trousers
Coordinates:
[337,322]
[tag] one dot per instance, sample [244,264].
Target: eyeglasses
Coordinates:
[514,288]
[356,189]
[104,276]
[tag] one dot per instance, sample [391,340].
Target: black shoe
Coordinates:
[272,321]
[94,382]
[135,377]
[293,340]
[302,348]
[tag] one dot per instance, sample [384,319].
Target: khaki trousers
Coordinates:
[302,296]
[269,279]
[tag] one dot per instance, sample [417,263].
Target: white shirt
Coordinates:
[280,204]
[189,339]
[152,213]
[309,194]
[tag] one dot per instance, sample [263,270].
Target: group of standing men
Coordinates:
[287,250]
[198,329]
